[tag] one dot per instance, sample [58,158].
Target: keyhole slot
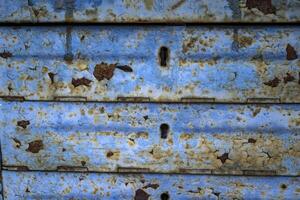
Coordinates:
[164,131]
[164,56]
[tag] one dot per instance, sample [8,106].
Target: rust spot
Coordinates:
[177,5]
[251,140]
[17,142]
[81,81]
[146,117]
[104,71]
[223,157]
[154,186]
[141,195]
[35,146]
[5,54]
[83,163]
[245,41]
[283,186]
[273,83]
[51,76]
[291,53]
[265,6]
[23,123]
[124,68]
[256,112]
[288,78]
[109,154]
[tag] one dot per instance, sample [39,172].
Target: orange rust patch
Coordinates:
[35,146]
[288,78]
[291,53]
[273,83]
[23,123]
[81,81]
[5,54]
[104,71]
[265,6]
[141,195]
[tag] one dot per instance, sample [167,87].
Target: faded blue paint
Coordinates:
[44,185]
[146,11]
[256,137]
[202,63]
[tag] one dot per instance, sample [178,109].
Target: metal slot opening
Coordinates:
[164,53]
[164,130]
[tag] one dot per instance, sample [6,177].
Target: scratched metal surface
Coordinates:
[112,63]
[125,137]
[31,185]
[139,11]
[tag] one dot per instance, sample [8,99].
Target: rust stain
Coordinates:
[251,140]
[223,157]
[244,41]
[177,5]
[124,68]
[148,4]
[35,146]
[83,163]
[17,143]
[150,185]
[23,123]
[291,53]
[288,78]
[113,155]
[283,186]
[141,195]
[256,112]
[81,81]
[273,83]
[5,54]
[51,76]
[265,6]
[106,71]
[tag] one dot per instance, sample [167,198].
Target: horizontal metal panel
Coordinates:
[167,138]
[140,11]
[151,63]
[51,185]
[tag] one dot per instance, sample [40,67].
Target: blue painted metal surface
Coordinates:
[139,11]
[43,185]
[203,138]
[117,63]
[162,111]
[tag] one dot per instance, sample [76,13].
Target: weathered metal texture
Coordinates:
[151,63]
[53,185]
[139,11]
[121,137]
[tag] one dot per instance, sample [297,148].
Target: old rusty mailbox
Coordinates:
[132,99]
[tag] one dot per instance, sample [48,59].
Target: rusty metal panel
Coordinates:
[151,63]
[53,185]
[164,138]
[145,11]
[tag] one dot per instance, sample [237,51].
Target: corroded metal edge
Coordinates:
[149,11]
[151,138]
[151,64]
[55,185]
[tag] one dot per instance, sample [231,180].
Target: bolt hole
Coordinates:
[165,196]
[164,130]
[163,56]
